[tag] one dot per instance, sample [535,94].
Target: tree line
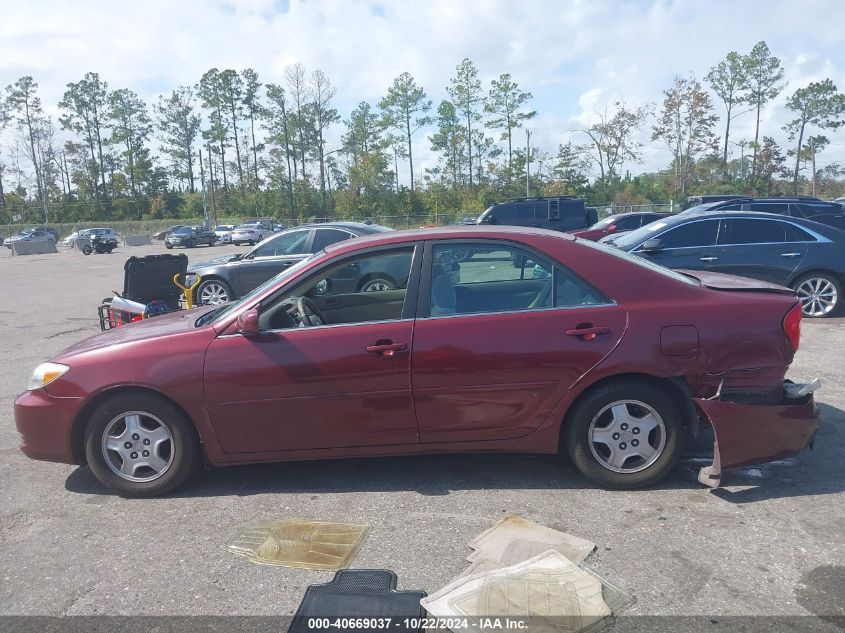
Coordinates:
[237,146]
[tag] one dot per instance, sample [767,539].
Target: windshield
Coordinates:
[702,207]
[223,227]
[639,235]
[227,309]
[603,223]
[641,261]
[184,229]
[246,226]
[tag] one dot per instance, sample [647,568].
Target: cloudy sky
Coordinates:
[575,56]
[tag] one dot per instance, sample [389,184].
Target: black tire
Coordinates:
[833,291]
[577,440]
[184,445]
[252,242]
[209,282]
[86,249]
[376,284]
[168,246]
[236,243]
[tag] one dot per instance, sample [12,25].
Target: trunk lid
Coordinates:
[720,281]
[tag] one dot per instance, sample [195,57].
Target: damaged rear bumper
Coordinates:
[753,433]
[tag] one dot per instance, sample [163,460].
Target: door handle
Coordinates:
[790,254]
[387,349]
[588,333]
[709,259]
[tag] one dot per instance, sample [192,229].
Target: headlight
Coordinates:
[44,374]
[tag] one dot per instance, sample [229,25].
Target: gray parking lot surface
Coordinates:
[771,542]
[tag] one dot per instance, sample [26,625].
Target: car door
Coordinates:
[343,383]
[691,245]
[497,344]
[270,258]
[760,248]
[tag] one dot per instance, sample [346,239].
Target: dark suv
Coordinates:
[813,209]
[564,213]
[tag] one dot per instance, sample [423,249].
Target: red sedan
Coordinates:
[620,223]
[493,339]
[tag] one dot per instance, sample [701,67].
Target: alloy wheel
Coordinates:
[213,293]
[376,286]
[137,446]
[818,296]
[627,436]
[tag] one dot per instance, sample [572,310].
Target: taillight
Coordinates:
[792,326]
[611,228]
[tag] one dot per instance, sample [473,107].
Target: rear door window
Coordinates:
[752,232]
[781,208]
[692,234]
[324,237]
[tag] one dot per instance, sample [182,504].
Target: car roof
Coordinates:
[356,226]
[455,231]
[828,231]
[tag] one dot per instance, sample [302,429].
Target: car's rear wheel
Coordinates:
[141,445]
[624,435]
[820,294]
[212,292]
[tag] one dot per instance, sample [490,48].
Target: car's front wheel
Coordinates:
[377,284]
[141,445]
[212,292]
[624,435]
[820,294]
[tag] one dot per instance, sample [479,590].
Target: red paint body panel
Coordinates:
[496,382]
[496,376]
[311,388]
[752,434]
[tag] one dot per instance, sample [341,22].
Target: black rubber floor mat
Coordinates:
[360,594]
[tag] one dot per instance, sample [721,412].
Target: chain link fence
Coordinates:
[131,228]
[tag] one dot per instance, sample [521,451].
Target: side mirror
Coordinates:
[322,286]
[248,323]
[653,245]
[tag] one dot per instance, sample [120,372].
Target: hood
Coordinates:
[720,281]
[210,262]
[157,327]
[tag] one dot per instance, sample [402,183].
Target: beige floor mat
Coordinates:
[553,591]
[304,544]
[514,539]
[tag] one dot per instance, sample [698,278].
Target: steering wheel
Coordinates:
[309,313]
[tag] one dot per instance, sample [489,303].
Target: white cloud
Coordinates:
[574,55]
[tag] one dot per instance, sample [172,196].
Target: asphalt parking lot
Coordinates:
[769,543]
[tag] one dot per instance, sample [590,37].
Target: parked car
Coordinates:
[228,278]
[619,223]
[190,236]
[224,233]
[163,234]
[252,232]
[34,234]
[564,213]
[800,254]
[87,233]
[694,201]
[277,228]
[814,209]
[607,357]
[249,233]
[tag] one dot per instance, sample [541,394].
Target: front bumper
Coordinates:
[44,424]
[754,434]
